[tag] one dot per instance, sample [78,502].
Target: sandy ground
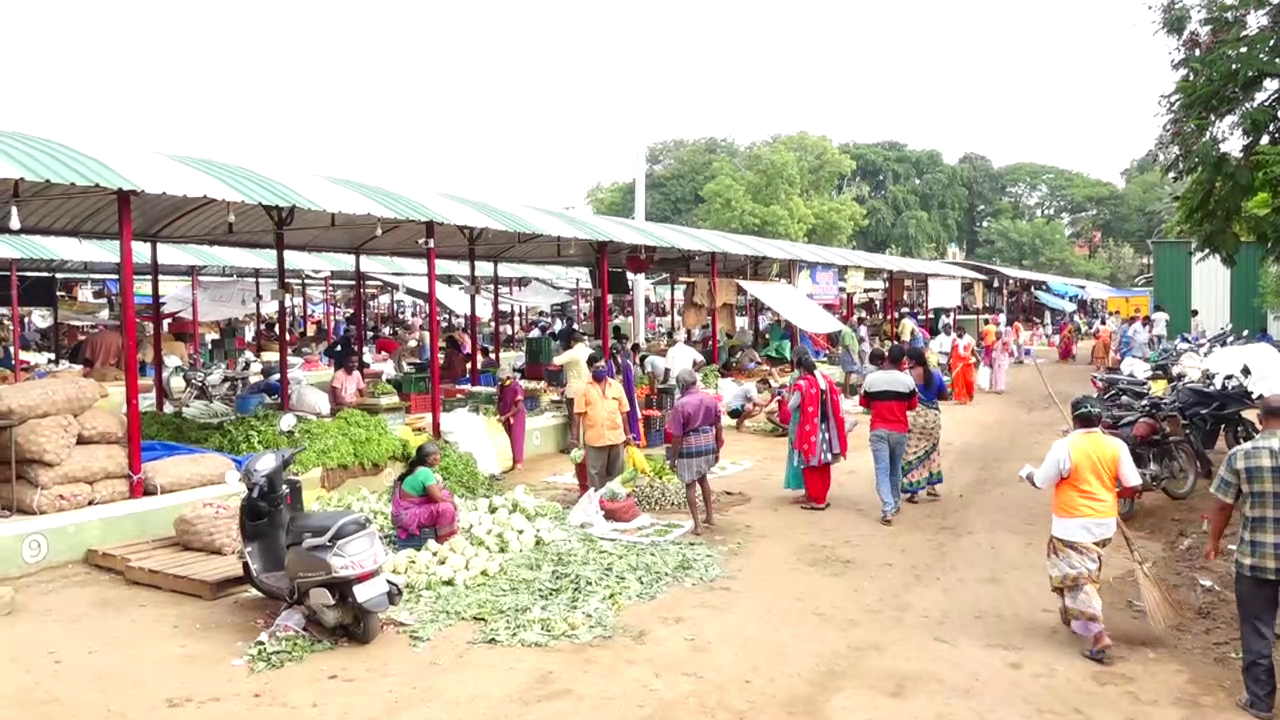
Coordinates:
[819,615]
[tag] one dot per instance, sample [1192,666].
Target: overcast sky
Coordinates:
[535,102]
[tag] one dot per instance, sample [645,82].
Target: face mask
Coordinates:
[506,381]
[599,374]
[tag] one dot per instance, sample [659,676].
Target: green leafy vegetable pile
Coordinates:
[709,377]
[566,591]
[379,388]
[352,439]
[462,474]
[282,649]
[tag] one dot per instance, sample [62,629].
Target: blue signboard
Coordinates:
[824,284]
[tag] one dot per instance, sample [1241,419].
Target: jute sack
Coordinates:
[100,427]
[43,440]
[51,396]
[84,464]
[109,491]
[213,526]
[32,500]
[185,472]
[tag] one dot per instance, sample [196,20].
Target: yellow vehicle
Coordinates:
[1130,305]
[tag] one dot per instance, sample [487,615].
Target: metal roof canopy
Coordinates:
[61,190]
[1020,274]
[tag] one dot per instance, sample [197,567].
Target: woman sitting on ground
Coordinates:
[419,501]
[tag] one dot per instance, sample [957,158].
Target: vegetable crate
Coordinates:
[451,404]
[539,351]
[532,403]
[416,384]
[416,403]
[654,439]
[535,371]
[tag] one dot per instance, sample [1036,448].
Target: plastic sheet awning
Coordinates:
[451,297]
[1065,290]
[1054,303]
[533,295]
[793,305]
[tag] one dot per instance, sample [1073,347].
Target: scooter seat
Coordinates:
[307,526]
[1118,379]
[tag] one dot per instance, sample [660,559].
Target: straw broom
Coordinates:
[1160,608]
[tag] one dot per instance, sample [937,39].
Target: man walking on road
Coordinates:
[1250,479]
[1083,469]
[890,394]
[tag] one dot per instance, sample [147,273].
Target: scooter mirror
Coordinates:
[288,422]
[232,477]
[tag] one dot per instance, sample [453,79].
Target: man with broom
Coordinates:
[1250,479]
[1084,470]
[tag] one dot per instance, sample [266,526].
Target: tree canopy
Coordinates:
[891,198]
[1223,116]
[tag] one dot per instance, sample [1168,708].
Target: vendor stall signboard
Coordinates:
[823,284]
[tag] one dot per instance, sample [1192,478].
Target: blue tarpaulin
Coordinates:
[156,450]
[1069,291]
[1054,303]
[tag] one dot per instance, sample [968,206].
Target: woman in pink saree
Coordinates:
[420,504]
[1001,355]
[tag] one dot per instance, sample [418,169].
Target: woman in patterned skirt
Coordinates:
[922,463]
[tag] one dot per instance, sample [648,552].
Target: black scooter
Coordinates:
[330,563]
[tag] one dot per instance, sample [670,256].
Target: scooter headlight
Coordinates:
[266,463]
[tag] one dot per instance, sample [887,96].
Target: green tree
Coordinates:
[1041,244]
[677,173]
[914,201]
[981,184]
[1032,191]
[788,187]
[1223,114]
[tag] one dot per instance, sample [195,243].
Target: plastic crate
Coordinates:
[554,376]
[654,439]
[534,371]
[416,403]
[453,404]
[415,384]
[532,403]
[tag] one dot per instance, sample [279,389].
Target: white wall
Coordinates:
[1211,292]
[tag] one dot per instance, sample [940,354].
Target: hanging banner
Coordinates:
[822,284]
[855,279]
[944,292]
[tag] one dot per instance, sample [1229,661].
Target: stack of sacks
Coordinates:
[68,453]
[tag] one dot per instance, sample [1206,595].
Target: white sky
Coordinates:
[535,102]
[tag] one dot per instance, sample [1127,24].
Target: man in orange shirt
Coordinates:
[990,333]
[1017,340]
[1084,470]
[599,409]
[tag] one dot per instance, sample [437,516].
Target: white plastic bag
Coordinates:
[587,513]
[984,377]
[309,399]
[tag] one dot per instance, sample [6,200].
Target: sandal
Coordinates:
[913,498]
[811,506]
[1099,656]
[1244,704]
[886,520]
[933,493]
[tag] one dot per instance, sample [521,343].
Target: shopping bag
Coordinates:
[984,377]
[636,460]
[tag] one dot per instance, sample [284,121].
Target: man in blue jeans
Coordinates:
[889,393]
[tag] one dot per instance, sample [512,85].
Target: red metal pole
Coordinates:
[157,328]
[257,309]
[497,319]
[577,301]
[302,290]
[671,287]
[359,308]
[926,303]
[129,329]
[195,321]
[434,322]
[474,326]
[601,331]
[888,300]
[282,322]
[715,314]
[14,311]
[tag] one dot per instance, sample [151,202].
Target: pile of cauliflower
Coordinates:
[489,530]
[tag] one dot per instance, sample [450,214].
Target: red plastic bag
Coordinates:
[620,511]
[580,472]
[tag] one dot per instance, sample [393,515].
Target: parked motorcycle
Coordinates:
[215,384]
[1166,460]
[330,563]
[1210,412]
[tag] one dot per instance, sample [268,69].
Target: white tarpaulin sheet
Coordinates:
[793,305]
[534,295]
[220,299]
[944,292]
[451,297]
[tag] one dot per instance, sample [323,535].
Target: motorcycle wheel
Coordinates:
[365,627]
[1126,507]
[1240,432]
[1179,486]
[1208,437]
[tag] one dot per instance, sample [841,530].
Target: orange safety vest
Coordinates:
[1090,490]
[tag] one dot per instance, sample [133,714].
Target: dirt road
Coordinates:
[819,615]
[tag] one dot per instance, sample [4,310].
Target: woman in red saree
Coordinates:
[963,375]
[1067,342]
[820,439]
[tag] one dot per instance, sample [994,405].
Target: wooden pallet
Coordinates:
[163,563]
